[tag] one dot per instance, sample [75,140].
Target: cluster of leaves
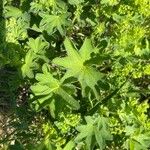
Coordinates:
[86,64]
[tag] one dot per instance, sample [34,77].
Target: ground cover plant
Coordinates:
[74,74]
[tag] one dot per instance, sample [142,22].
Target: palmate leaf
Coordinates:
[138,142]
[47,86]
[37,50]
[38,45]
[74,63]
[97,128]
[50,23]
[29,65]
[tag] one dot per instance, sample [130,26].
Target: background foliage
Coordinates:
[75,74]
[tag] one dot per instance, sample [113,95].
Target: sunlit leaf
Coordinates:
[74,64]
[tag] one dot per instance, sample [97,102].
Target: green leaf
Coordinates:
[97,128]
[38,45]
[86,49]
[74,63]
[68,98]
[39,89]
[29,65]
[12,12]
[69,146]
[37,51]
[48,86]
[138,142]
[50,23]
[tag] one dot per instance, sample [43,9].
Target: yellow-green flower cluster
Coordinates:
[125,9]
[15,30]
[11,30]
[67,121]
[143,7]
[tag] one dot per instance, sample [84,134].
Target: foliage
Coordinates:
[96,127]
[75,74]
[74,62]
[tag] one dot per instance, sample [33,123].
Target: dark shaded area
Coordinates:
[26,5]
[10,79]
[143,86]
[2,43]
[2,28]
[15,115]
[10,56]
